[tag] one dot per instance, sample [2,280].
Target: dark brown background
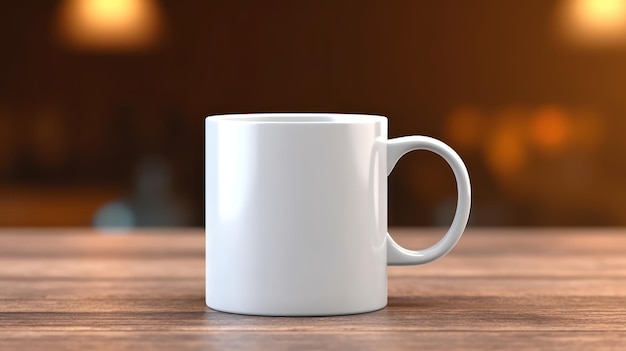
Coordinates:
[538,121]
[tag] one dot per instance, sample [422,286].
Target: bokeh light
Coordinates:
[464,128]
[549,129]
[588,130]
[594,22]
[505,150]
[110,24]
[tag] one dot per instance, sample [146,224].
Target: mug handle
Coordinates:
[396,148]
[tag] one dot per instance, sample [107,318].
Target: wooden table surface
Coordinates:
[557,289]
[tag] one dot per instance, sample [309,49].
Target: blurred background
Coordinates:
[102,102]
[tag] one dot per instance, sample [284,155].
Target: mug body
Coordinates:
[296,213]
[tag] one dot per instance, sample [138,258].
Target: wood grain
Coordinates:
[558,289]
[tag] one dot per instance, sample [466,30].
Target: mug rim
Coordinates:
[298,118]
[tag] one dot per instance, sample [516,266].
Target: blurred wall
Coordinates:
[538,119]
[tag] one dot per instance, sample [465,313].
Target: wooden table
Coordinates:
[499,289]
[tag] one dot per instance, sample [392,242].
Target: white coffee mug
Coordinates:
[296,212]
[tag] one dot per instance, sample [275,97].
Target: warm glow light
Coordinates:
[110,24]
[505,150]
[594,22]
[549,129]
[588,130]
[464,128]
